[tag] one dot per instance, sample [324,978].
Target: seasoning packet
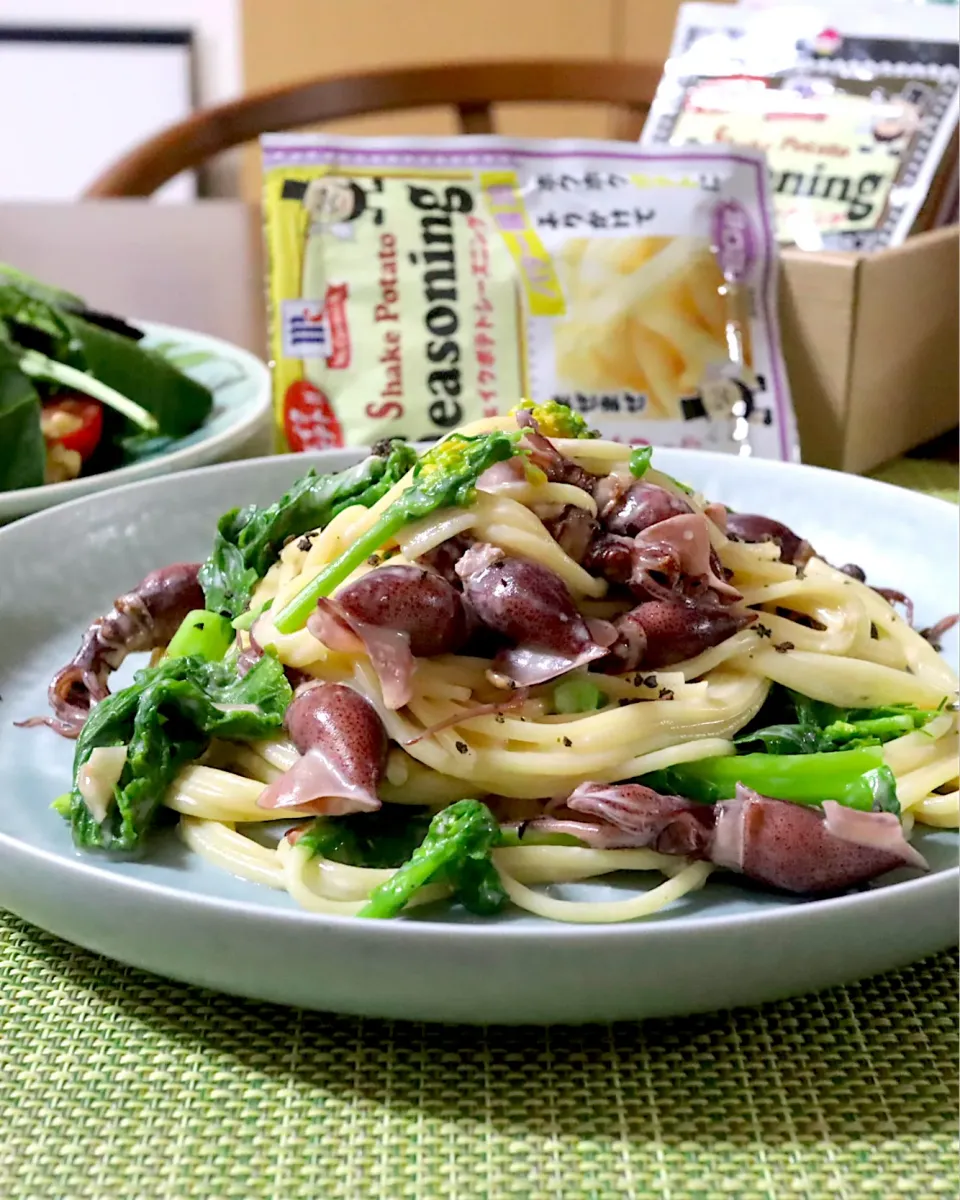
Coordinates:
[855,116]
[419,284]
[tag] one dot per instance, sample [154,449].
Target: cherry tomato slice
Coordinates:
[76,422]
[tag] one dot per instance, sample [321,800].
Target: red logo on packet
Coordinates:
[335,316]
[826,43]
[308,420]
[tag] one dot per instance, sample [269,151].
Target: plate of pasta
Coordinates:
[524,725]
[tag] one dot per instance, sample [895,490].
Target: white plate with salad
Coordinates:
[371,770]
[90,400]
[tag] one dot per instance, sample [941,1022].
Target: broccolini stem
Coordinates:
[456,849]
[203,634]
[882,728]
[801,778]
[293,616]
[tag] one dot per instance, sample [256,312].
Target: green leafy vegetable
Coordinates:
[26,313]
[47,345]
[477,886]
[38,290]
[445,476]
[640,461]
[456,849]
[820,728]
[202,634]
[577,696]
[381,839]
[556,420]
[166,719]
[875,792]
[249,540]
[178,403]
[23,454]
[52,345]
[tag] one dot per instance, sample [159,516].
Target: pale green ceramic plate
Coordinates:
[175,915]
[240,384]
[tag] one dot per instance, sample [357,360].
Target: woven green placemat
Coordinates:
[940,479]
[114,1083]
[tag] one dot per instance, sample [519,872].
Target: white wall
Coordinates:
[216,29]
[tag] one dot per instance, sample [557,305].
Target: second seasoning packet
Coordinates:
[856,117]
[418,284]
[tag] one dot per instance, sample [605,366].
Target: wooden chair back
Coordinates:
[472,89]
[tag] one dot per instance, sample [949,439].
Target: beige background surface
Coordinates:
[288,40]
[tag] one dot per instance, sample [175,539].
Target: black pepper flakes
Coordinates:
[373,560]
[650,681]
[200,625]
[625,700]
[462,747]
[665,694]
[763,631]
[500,719]
[783,647]
[566,741]
[305,542]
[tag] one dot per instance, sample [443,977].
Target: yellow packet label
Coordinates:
[419,285]
[383,289]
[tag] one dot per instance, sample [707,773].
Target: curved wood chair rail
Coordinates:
[470,88]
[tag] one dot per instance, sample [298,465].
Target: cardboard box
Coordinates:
[871,345]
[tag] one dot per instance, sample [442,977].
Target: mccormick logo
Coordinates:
[313,329]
